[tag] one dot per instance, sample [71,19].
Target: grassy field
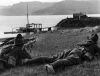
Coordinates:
[51,43]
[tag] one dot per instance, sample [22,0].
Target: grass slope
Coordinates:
[49,44]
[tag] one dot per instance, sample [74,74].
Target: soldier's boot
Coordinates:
[49,68]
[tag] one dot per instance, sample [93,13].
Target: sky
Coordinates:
[11,2]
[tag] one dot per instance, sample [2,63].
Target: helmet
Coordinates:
[18,40]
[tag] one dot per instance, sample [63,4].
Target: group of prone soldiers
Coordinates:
[16,55]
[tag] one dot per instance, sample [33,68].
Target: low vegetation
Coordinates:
[51,43]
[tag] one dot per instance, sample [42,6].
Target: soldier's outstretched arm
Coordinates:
[62,54]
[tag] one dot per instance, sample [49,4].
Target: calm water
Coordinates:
[7,23]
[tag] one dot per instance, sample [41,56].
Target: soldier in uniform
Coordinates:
[85,52]
[13,55]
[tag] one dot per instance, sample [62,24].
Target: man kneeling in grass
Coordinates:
[85,52]
[13,55]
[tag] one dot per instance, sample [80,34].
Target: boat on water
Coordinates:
[30,27]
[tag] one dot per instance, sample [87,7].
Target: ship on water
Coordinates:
[30,27]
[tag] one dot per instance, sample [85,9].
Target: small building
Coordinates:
[79,15]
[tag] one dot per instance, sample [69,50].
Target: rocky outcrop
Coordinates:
[78,22]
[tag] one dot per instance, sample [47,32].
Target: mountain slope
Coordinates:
[56,8]
[21,8]
[69,7]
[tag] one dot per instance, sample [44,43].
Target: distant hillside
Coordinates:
[21,8]
[56,8]
[69,7]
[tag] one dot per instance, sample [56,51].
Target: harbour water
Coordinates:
[10,23]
